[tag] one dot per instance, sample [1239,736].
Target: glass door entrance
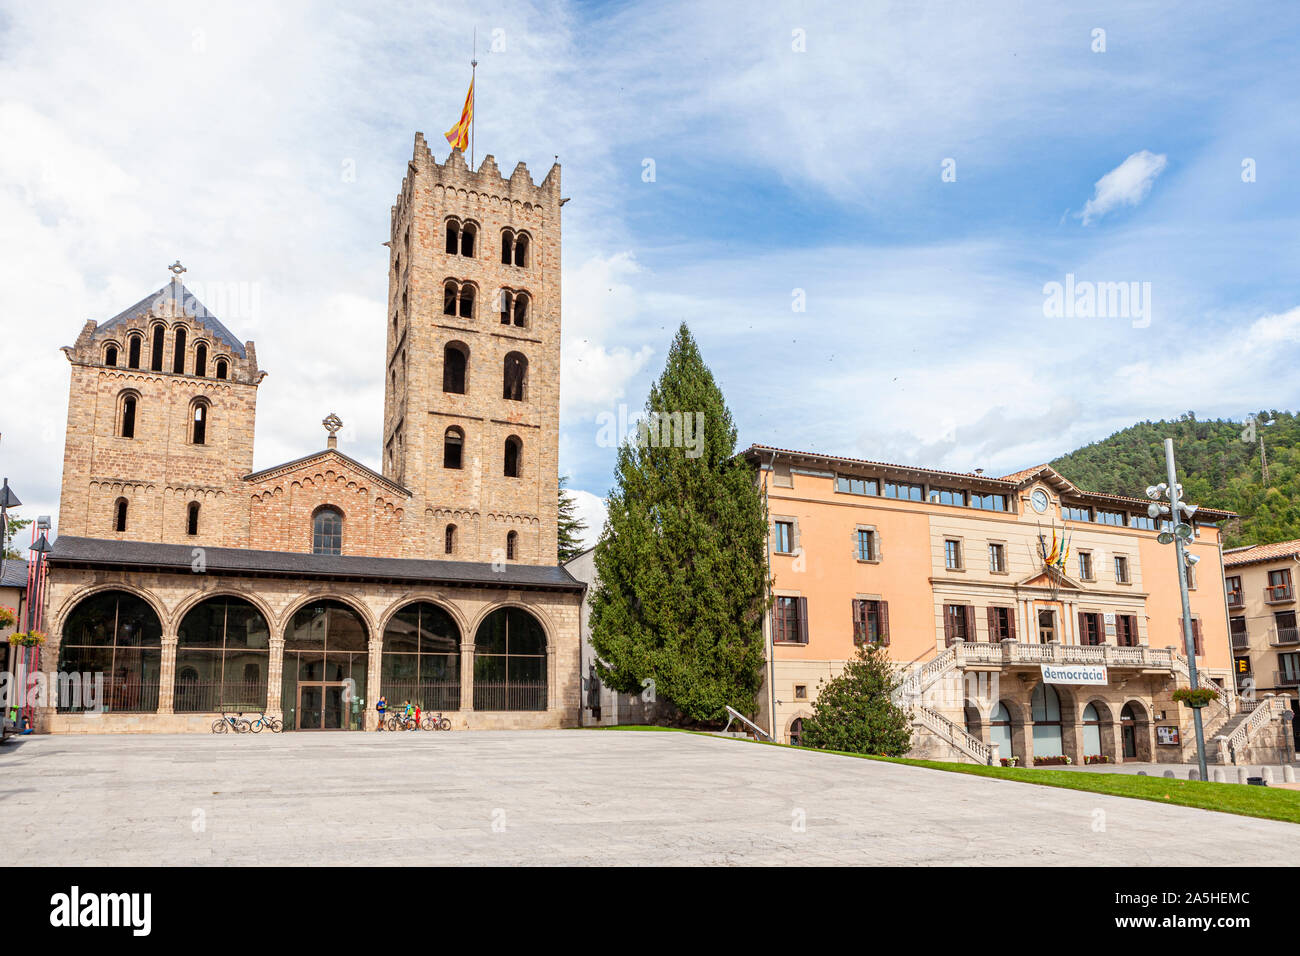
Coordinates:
[321,706]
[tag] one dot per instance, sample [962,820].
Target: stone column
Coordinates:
[167,673]
[552,692]
[274,678]
[47,676]
[374,677]
[466,677]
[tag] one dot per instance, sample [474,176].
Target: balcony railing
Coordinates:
[1286,678]
[121,695]
[515,695]
[1277,593]
[1240,640]
[1284,636]
[1236,600]
[1008,652]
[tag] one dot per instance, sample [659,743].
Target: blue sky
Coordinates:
[222,134]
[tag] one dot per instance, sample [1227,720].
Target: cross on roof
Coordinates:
[176,268]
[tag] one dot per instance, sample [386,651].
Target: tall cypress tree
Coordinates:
[681,559]
[569,526]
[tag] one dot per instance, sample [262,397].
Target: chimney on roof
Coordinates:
[979,471]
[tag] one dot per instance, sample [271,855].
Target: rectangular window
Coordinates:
[957,621]
[988,502]
[1076,513]
[1237,630]
[857,486]
[997,558]
[1090,629]
[1236,597]
[784,537]
[1085,565]
[1284,627]
[1290,669]
[800,691]
[1115,518]
[1141,521]
[1126,630]
[1279,585]
[952,555]
[1121,569]
[790,620]
[866,545]
[904,491]
[870,622]
[1000,627]
[947,496]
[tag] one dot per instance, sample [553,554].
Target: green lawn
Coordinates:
[1266,802]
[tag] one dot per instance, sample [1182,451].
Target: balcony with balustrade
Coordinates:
[1279,594]
[1015,655]
[1283,636]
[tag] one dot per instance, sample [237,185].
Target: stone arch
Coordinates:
[548,625]
[1097,736]
[76,597]
[191,601]
[790,726]
[1142,727]
[424,597]
[353,602]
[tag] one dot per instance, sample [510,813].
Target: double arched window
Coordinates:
[514,248]
[458,299]
[460,238]
[453,448]
[513,456]
[514,308]
[455,368]
[327,531]
[515,377]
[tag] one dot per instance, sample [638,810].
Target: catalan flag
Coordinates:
[458,135]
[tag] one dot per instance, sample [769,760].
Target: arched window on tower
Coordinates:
[514,450]
[521,250]
[458,299]
[455,365]
[199,410]
[178,353]
[126,413]
[119,515]
[453,447]
[515,377]
[156,353]
[327,531]
[449,540]
[192,519]
[222,368]
[512,545]
[514,308]
[133,352]
[201,360]
[110,356]
[514,248]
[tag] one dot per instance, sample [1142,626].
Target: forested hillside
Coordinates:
[1215,465]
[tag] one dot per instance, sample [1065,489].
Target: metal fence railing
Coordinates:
[427,695]
[200,697]
[509,695]
[76,693]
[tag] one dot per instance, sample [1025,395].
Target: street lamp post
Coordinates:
[1182,532]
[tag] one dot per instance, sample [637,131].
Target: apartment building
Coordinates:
[1005,655]
[1260,585]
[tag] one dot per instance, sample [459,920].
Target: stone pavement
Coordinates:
[557,797]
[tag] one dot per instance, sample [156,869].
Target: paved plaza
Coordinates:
[563,797]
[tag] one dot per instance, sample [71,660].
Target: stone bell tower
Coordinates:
[472,373]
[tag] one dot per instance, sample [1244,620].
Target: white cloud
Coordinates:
[1125,185]
[592,510]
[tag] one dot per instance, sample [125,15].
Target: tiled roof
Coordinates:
[176,293]
[13,574]
[72,551]
[1256,553]
[326,453]
[1012,480]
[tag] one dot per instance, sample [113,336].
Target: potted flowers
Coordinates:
[1195,698]
[7,617]
[28,638]
[1095,758]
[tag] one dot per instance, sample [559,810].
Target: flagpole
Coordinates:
[473,116]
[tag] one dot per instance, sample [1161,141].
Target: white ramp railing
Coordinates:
[734,715]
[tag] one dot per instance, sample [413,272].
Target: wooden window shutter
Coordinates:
[1011,623]
[1196,637]
[993,623]
[970,622]
[1083,629]
[947,624]
[859,633]
[803,620]
[884,622]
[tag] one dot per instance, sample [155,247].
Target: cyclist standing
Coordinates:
[381,705]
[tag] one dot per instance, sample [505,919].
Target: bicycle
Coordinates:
[274,724]
[432,722]
[225,722]
[402,722]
